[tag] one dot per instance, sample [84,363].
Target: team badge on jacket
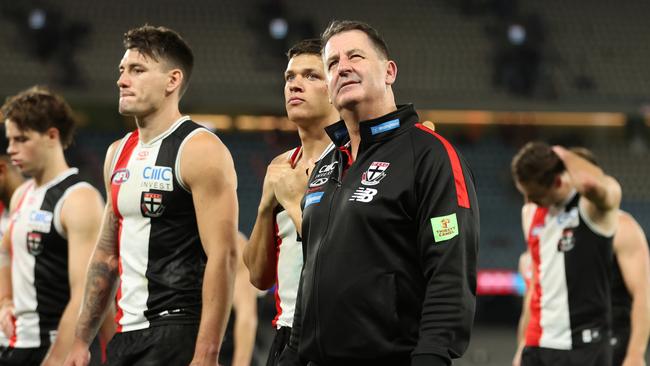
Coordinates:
[567,241]
[375,173]
[34,243]
[151,204]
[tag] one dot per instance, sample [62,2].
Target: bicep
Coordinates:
[81,216]
[633,257]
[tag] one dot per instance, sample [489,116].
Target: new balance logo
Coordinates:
[363,194]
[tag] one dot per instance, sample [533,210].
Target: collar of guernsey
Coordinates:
[378,129]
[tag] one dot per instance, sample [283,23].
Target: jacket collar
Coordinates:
[378,129]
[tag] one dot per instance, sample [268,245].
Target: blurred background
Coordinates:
[492,75]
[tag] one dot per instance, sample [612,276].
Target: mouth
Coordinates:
[348,83]
[124,95]
[295,101]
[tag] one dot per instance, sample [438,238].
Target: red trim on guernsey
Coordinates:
[457,169]
[278,302]
[297,153]
[122,162]
[534,330]
[14,338]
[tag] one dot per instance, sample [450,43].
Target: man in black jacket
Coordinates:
[390,226]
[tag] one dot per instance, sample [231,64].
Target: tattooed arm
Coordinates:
[101,278]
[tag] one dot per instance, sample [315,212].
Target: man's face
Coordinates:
[27,148]
[356,72]
[305,89]
[539,194]
[143,83]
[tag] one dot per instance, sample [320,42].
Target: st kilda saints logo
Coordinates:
[151,204]
[375,173]
[567,241]
[34,243]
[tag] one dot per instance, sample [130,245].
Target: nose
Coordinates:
[11,148]
[295,85]
[344,66]
[122,81]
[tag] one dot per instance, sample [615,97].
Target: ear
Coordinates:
[175,80]
[53,134]
[391,72]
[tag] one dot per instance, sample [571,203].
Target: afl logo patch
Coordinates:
[151,204]
[120,176]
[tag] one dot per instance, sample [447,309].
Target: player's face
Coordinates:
[143,84]
[27,148]
[538,194]
[305,89]
[356,73]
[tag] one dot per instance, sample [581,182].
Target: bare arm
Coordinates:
[260,255]
[631,248]
[101,278]
[524,318]
[590,181]
[81,217]
[245,305]
[213,184]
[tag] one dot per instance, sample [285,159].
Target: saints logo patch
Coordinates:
[375,173]
[151,204]
[567,241]
[34,243]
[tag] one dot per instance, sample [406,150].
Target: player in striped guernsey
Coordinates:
[10,179]
[569,219]
[274,252]
[54,225]
[168,241]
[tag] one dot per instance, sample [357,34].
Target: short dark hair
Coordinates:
[163,43]
[536,162]
[39,109]
[340,26]
[311,46]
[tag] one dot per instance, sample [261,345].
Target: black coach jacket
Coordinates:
[390,247]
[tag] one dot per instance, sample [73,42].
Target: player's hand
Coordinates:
[268,201]
[7,319]
[430,125]
[78,356]
[290,186]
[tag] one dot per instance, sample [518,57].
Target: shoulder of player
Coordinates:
[82,203]
[19,193]
[284,157]
[203,143]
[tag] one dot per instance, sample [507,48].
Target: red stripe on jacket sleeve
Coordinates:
[459,178]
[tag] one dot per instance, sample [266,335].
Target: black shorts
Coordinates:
[10,356]
[596,354]
[619,342]
[279,342]
[171,345]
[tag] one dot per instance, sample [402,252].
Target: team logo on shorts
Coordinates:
[567,241]
[151,204]
[34,243]
[375,173]
[120,176]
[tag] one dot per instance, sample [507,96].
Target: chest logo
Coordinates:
[151,204]
[363,194]
[120,176]
[375,173]
[567,241]
[40,221]
[34,243]
[157,177]
[444,227]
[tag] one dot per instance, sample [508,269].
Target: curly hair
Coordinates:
[40,109]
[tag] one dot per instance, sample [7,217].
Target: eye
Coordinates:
[312,76]
[355,56]
[332,64]
[288,78]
